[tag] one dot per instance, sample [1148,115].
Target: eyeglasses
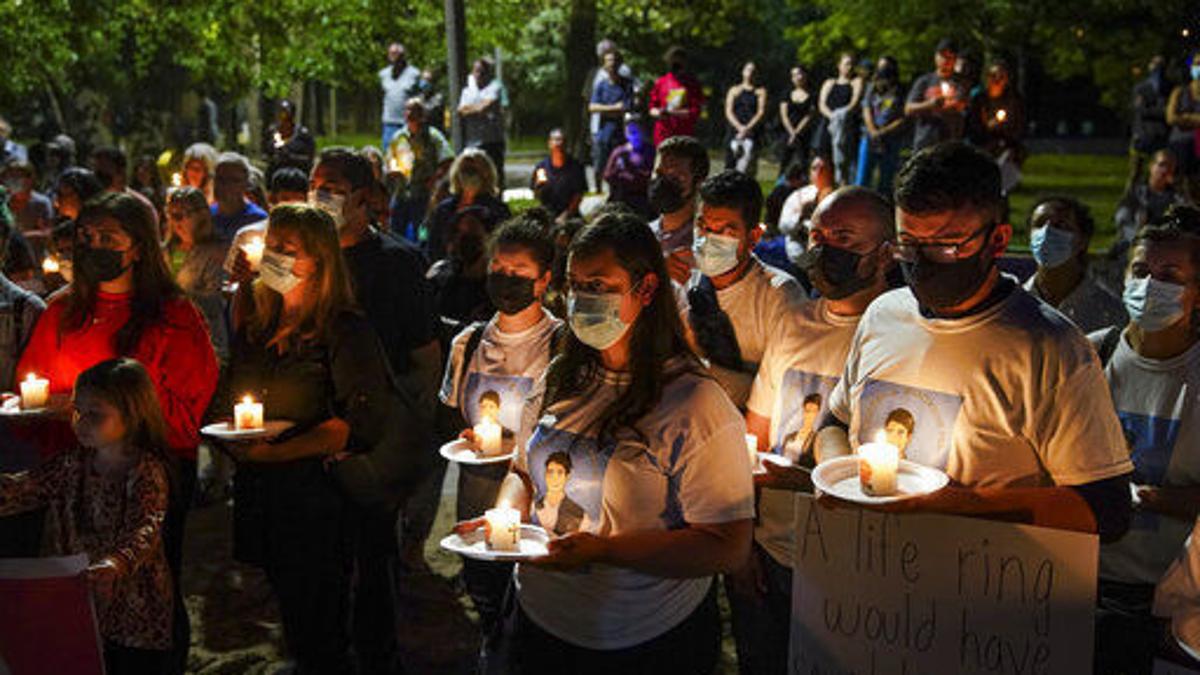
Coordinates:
[936,251]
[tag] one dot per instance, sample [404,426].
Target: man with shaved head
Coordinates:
[849,256]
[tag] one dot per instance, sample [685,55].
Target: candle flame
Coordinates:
[50,265]
[176,179]
[1001,115]
[31,377]
[247,399]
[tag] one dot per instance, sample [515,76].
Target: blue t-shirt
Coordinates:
[607,92]
[227,226]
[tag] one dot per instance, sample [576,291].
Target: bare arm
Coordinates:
[1055,507]
[698,550]
[822,105]
[761,111]
[787,123]
[327,438]
[869,122]
[729,116]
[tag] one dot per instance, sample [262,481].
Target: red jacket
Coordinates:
[176,352]
[688,96]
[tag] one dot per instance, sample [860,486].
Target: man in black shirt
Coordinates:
[389,283]
[559,180]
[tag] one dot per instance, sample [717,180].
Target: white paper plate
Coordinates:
[778,460]
[17,411]
[225,431]
[838,477]
[461,451]
[534,541]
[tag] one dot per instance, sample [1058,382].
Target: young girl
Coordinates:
[107,498]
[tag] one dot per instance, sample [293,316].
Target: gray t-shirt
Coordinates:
[397,91]
[1091,306]
[937,125]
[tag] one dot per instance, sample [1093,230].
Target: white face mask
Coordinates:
[1152,304]
[715,254]
[276,272]
[595,318]
[334,205]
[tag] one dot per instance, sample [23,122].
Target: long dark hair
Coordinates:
[657,334]
[153,286]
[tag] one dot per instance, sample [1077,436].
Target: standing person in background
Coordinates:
[883,124]
[195,256]
[838,103]
[434,100]
[676,99]
[938,100]
[199,166]
[19,308]
[628,170]
[387,276]
[996,122]
[287,142]
[1147,200]
[417,158]
[112,169]
[745,110]
[680,166]
[797,115]
[232,210]
[1060,231]
[398,80]
[481,106]
[612,97]
[473,184]
[1150,130]
[76,186]
[559,180]
[1183,114]
[147,181]
[33,211]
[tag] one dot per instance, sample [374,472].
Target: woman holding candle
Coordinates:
[508,353]
[660,445]
[195,257]
[302,351]
[123,302]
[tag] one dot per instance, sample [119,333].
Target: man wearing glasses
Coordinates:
[1029,432]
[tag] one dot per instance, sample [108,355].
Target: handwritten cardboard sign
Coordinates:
[887,594]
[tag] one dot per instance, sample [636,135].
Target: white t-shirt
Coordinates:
[1011,396]
[689,466]
[1090,305]
[487,126]
[760,307]
[507,364]
[397,91]
[1160,415]
[792,388]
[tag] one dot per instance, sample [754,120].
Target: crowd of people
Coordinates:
[385,301]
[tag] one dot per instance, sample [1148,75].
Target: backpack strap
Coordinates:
[1108,345]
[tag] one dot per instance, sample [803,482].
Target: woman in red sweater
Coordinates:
[122,301]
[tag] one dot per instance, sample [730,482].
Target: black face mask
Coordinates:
[508,292]
[666,194]
[834,271]
[939,285]
[99,264]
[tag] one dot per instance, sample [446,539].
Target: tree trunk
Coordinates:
[581,57]
[456,65]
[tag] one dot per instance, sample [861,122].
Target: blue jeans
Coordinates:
[886,156]
[385,140]
[761,621]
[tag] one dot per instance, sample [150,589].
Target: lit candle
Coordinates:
[278,140]
[254,251]
[35,391]
[878,464]
[248,414]
[752,450]
[503,528]
[540,176]
[1001,115]
[50,265]
[947,89]
[487,437]
[176,179]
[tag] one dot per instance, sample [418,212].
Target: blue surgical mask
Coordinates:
[715,254]
[595,318]
[275,270]
[1152,304]
[1052,246]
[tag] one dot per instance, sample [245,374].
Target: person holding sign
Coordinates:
[1149,364]
[107,498]
[1007,396]
[676,99]
[736,304]
[655,440]
[509,354]
[850,254]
